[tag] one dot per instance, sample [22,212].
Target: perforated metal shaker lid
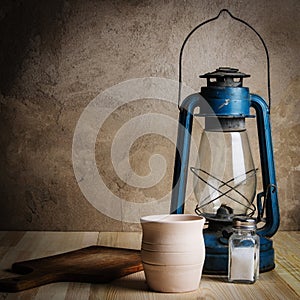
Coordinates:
[244,223]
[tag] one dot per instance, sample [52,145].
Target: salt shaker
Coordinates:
[243,245]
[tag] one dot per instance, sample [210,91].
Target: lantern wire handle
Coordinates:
[211,20]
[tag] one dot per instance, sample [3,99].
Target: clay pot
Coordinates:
[170,247]
[173,279]
[171,258]
[173,252]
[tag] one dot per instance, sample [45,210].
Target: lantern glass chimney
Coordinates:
[225,175]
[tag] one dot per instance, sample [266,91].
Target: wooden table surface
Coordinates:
[281,283]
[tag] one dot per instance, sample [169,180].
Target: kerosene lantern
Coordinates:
[226,175]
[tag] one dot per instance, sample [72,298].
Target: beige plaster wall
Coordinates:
[57,56]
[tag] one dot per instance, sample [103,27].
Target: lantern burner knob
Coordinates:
[225,76]
[224,214]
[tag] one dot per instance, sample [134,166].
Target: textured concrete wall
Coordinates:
[57,56]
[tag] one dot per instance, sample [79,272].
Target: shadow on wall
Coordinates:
[19,22]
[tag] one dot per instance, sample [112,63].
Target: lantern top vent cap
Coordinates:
[225,72]
[225,77]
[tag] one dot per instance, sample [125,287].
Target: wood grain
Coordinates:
[287,245]
[94,264]
[281,283]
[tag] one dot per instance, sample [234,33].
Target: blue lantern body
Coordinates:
[226,100]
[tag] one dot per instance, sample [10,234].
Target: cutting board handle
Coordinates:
[24,282]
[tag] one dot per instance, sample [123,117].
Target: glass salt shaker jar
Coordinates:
[243,247]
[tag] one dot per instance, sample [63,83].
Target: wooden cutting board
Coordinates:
[95,264]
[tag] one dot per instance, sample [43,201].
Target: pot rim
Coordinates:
[172,218]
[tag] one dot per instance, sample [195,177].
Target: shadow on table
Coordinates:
[131,284]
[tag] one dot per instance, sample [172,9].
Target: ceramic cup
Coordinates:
[173,252]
